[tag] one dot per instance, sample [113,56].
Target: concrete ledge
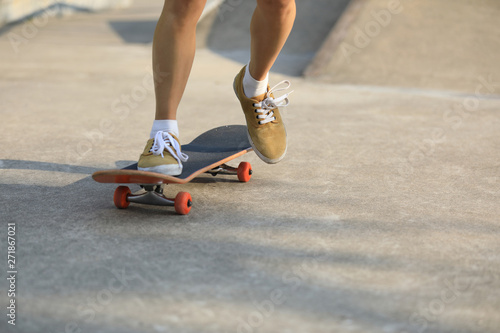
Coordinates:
[17,10]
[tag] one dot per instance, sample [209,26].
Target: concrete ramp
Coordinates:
[427,44]
[226,32]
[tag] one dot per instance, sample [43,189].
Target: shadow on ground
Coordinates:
[135,32]
[226,263]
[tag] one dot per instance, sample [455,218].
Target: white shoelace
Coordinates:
[163,140]
[265,108]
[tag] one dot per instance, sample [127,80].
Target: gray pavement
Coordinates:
[382,218]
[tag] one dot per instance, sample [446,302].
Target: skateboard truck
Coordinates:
[152,195]
[225,169]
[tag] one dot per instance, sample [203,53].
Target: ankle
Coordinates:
[164,125]
[253,87]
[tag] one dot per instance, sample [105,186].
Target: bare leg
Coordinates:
[271,24]
[174,47]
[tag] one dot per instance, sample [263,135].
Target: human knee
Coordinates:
[184,12]
[277,7]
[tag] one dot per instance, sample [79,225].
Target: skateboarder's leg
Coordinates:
[174,47]
[271,25]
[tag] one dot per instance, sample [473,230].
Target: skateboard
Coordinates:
[208,153]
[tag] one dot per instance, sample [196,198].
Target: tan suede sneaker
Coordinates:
[266,130]
[162,154]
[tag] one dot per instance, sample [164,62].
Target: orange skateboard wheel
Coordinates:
[244,172]
[183,203]
[120,197]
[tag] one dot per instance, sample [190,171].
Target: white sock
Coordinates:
[164,126]
[252,87]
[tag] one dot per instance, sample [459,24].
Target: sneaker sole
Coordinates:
[169,170]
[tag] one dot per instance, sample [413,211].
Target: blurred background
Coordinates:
[427,44]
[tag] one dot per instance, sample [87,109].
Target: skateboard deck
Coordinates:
[208,153]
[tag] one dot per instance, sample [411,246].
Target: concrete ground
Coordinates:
[384,216]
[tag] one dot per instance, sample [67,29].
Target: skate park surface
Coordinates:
[383,217]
